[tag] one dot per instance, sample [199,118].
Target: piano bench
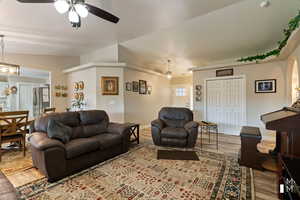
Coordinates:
[249,156]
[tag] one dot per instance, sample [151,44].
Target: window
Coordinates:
[180,92]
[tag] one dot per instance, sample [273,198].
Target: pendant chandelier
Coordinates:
[6,68]
[169,73]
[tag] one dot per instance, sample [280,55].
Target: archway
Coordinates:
[295,82]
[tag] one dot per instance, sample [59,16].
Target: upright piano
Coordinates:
[286,123]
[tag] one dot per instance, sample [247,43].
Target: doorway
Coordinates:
[295,82]
[182,96]
[225,103]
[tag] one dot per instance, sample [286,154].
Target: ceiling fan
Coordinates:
[76,9]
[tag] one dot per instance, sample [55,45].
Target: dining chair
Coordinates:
[13,128]
[48,110]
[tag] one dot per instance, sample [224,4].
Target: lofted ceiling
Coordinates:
[40,29]
[190,32]
[239,30]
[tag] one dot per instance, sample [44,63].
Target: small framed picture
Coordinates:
[142,87]
[265,86]
[224,72]
[110,85]
[135,86]
[128,86]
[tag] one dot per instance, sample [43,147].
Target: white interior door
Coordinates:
[226,103]
[25,97]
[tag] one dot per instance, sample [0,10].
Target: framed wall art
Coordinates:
[135,86]
[265,86]
[128,86]
[224,72]
[142,87]
[110,85]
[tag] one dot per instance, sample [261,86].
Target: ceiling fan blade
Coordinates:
[102,13]
[36,1]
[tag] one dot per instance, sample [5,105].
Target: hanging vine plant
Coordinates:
[292,26]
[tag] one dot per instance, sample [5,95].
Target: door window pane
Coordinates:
[180,92]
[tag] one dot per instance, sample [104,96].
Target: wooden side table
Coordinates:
[208,128]
[134,130]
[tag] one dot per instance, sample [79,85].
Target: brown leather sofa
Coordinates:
[175,127]
[94,139]
[7,190]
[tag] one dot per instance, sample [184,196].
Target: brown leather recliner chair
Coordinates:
[175,127]
[94,139]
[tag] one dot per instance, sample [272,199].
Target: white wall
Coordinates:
[181,82]
[294,57]
[257,104]
[141,108]
[112,104]
[88,76]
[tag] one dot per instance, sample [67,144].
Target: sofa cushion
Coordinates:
[107,140]
[171,132]
[175,117]
[77,132]
[91,117]
[57,130]
[93,122]
[92,130]
[81,146]
[67,118]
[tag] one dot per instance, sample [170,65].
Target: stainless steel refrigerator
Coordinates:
[41,99]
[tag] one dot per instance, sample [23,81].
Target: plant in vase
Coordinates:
[78,104]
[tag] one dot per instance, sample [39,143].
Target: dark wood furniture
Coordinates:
[286,123]
[289,178]
[134,131]
[48,110]
[13,128]
[249,156]
[208,127]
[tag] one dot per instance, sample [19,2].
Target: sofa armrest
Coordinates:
[41,141]
[123,130]
[158,123]
[118,128]
[192,129]
[190,125]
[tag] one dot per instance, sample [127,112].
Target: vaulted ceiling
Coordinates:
[190,32]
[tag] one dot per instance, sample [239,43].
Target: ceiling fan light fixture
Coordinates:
[73,16]
[169,74]
[81,10]
[62,6]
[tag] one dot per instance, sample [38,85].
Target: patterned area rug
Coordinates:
[138,175]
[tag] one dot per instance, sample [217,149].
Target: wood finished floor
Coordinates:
[265,182]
